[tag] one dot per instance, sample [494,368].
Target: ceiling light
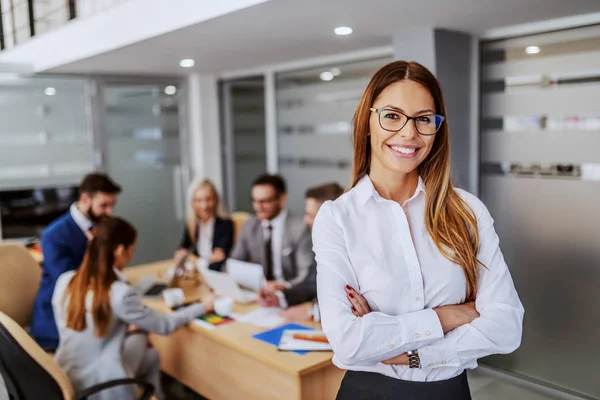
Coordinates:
[187,63]
[326,76]
[343,30]
[335,71]
[50,91]
[532,50]
[170,90]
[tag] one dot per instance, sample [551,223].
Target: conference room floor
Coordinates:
[483,387]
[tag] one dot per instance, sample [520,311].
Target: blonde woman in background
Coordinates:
[207,234]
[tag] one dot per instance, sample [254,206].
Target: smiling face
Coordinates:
[403,151]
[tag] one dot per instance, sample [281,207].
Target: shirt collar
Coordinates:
[365,190]
[120,275]
[277,221]
[210,222]
[81,220]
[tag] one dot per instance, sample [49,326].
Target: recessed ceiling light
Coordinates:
[187,63]
[170,90]
[532,50]
[326,76]
[335,71]
[50,91]
[343,30]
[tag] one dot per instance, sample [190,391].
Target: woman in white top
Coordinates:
[93,308]
[412,286]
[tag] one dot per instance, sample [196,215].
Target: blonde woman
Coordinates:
[207,234]
[411,282]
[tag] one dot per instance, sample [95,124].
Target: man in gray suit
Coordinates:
[281,243]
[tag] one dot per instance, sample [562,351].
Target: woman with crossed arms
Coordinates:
[411,282]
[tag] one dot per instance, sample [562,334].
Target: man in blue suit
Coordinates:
[64,243]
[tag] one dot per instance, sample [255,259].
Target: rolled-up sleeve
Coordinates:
[499,328]
[376,336]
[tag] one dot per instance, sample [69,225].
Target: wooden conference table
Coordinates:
[227,363]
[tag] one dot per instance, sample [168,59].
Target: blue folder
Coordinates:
[274,335]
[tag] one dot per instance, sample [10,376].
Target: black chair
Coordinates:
[29,373]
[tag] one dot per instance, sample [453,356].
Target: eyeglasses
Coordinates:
[394,120]
[262,202]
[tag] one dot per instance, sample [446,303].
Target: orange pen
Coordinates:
[313,338]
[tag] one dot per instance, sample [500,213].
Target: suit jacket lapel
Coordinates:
[215,230]
[286,247]
[259,239]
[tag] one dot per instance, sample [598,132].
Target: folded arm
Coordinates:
[375,337]
[498,330]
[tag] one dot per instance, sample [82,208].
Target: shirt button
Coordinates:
[428,333]
[418,335]
[417,298]
[444,362]
[392,346]
[431,364]
[414,268]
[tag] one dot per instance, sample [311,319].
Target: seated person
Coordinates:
[94,308]
[207,235]
[315,197]
[64,243]
[279,241]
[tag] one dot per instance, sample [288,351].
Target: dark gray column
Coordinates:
[452,57]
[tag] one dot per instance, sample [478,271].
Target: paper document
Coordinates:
[312,340]
[248,275]
[266,317]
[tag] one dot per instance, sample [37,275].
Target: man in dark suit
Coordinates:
[280,242]
[64,243]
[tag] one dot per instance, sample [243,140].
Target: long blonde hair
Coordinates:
[192,218]
[448,218]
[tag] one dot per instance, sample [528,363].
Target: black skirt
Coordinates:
[371,386]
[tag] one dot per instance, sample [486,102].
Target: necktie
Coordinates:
[269,254]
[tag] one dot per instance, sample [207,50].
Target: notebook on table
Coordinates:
[308,340]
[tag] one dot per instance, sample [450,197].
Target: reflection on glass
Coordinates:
[314,114]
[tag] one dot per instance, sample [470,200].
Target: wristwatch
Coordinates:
[413,359]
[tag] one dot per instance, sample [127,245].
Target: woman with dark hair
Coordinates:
[411,283]
[94,307]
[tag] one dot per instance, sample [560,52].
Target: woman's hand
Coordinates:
[453,316]
[208,302]
[179,255]
[402,359]
[217,255]
[360,306]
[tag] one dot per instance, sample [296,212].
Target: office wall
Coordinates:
[314,124]
[248,145]
[44,140]
[541,181]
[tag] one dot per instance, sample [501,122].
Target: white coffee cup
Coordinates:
[202,265]
[173,297]
[223,306]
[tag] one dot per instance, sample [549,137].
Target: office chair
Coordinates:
[239,218]
[21,276]
[31,374]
